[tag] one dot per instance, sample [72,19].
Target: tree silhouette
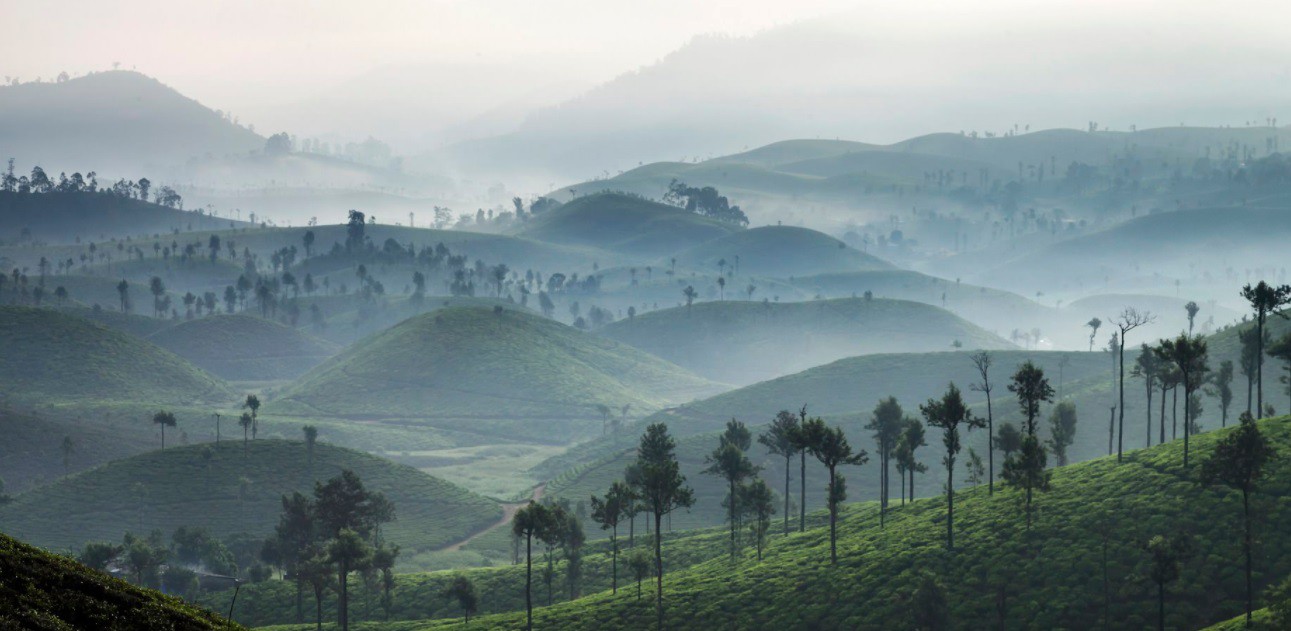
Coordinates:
[689,293]
[949,413]
[885,422]
[759,501]
[123,292]
[1027,471]
[608,512]
[1127,321]
[245,421]
[1192,310]
[349,552]
[1165,557]
[253,403]
[1062,430]
[157,289]
[639,565]
[462,590]
[829,446]
[531,521]
[1031,388]
[1280,349]
[729,462]
[1147,366]
[663,490]
[1223,382]
[1094,324]
[1188,354]
[311,437]
[911,439]
[780,439]
[164,419]
[1007,439]
[982,361]
[1249,361]
[1264,299]
[1239,461]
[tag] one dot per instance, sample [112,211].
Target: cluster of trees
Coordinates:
[705,201]
[39,182]
[554,526]
[172,567]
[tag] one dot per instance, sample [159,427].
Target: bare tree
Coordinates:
[1127,321]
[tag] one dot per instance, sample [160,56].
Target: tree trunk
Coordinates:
[1120,432]
[1163,391]
[344,606]
[658,565]
[802,493]
[1187,415]
[614,545]
[950,502]
[1246,544]
[833,519]
[163,435]
[1149,439]
[1259,370]
[990,445]
[787,462]
[1174,413]
[528,581]
[1161,606]
[318,608]
[732,506]
[299,601]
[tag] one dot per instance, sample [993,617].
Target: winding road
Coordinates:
[508,512]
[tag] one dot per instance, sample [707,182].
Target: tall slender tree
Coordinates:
[1222,380]
[780,439]
[529,522]
[885,423]
[803,444]
[1147,366]
[950,413]
[829,446]
[608,512]
[1281,349]
[1188,354]
[730,462]
[1128,320]
[253,403]
[1264,299]
[1032,389]
[1250,359]
[663,489]
[982,361]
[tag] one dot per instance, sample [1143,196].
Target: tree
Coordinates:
[1223,382]
[608,512]
[157,289]
[1027,471]
[829,446]
[245,421]
[349,552]
[1008,439]
[885,422]
[639,565]
[1250,358]
[308,240]
[729,462]
[253,403]
[759,501]
[123,292]
[311,437]
[295,537]
[780,439]
[1280,350]
[1165,558]
[982,361]
[911,439]
[1192,310]
[164,419]
[1031,388]
[355,228]
[1188,355]
[1264,299]
[663,489]
[1127,321]
[949,413]
[531,521]
[1239,462]
[1062,430]
[1094,324]
[315,568]
[98,555]
[1147,366]
[463,591]
[689,294]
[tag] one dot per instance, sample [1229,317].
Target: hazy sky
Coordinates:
[227,53]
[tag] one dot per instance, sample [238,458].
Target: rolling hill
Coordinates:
[625,224]
[45,591]
[742,342]
[244,347]
[780,251]
[66,217]
[53,357]
[230,488]
[1001,573]
[472,363]
[114,122]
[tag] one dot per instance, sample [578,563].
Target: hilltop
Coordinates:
[183,486]
[53,357]
[45,591]
[745,341]
[63,217]
[999,574]
[244,347]
[624,224]
[780,251]
[113,121]
[472,363]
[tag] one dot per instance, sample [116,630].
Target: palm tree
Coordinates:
[163,418]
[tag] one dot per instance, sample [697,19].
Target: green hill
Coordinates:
[471,363]
[44,591]
[33,453]
[244,348]
[1000,574]
[66,216]
[53,357]
[742,342]
[624,224]
[780,251]
[182,486]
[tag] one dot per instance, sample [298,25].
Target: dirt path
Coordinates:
[508,512]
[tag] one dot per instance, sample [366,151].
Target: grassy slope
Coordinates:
[780,251]
[1049,578]
[181,487]
[243,347]
[62,217]
[745,341]
[474,363]
[625,224]
[43,591]
[33,453]
[54,357]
